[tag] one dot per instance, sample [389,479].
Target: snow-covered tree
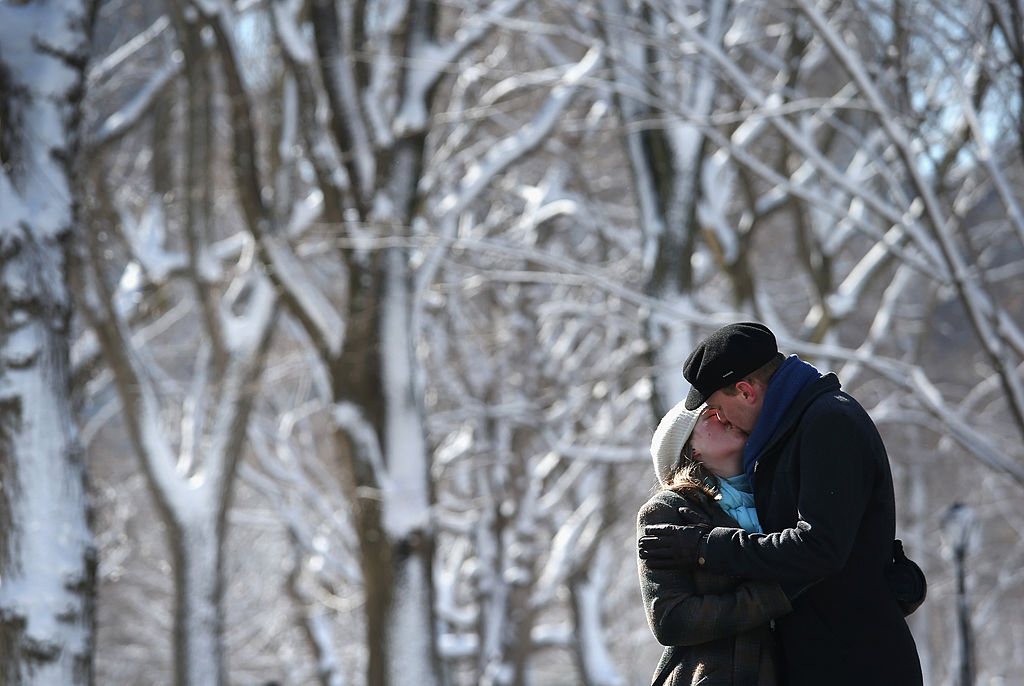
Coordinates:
[183,315]
[47,555]
[380,72]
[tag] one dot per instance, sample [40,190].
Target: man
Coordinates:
[824,495]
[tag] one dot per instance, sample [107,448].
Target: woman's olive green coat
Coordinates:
[715,629]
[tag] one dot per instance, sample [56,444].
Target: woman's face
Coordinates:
[718,445]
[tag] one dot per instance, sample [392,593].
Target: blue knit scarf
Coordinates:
[737,500]
[791,378]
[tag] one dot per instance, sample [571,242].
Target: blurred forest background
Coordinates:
[333,332]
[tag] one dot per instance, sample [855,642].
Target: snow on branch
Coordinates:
[147,238]
[565,484]
[571,543]
[140,400]
[247,336]
[824,202]
[294,43]
[155,450]
[717,190]
[985,153]
[589,596]
[973,297]
[552,635]
[601,454]
[120,122]
[280,478]
[447,574]
[112,61]
[306,300]
[806,148]
[349,418]
[429,62]
[965,433]
[915,380]
[291,276]
[844,300]
[880,329]
[244,332]
[16,212]
[515,147]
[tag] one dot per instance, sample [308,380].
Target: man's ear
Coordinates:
[747,391]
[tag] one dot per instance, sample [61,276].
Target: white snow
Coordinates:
[123,119]
[406,507]
[569,543]
[512,148]
[295,44]
[244,332]
[589,597]
[453,646]
[329,664]
[148,237]
[349,418]
[409,619]
[717,190]
[111,62]
[428,60]
[291,274]
[47,538]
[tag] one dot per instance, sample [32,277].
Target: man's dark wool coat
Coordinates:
[715,628]
[824,486]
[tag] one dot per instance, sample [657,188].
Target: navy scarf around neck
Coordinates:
[789,380]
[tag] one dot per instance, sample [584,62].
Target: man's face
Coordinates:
[740,410]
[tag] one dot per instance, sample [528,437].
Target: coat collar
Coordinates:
[829,383]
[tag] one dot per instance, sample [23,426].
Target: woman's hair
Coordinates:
[691,475]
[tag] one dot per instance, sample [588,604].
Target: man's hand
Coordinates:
[670,546]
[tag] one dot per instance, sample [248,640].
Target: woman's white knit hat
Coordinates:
[672,433]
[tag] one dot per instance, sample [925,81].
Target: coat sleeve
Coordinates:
[680,616]
[839,450]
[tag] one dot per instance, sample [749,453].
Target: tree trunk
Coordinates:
[198,616]
[47,555]
[958,528]
[391,495]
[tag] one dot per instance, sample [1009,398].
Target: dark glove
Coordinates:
[690,516]
[670,546]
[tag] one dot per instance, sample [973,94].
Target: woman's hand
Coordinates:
[692,517]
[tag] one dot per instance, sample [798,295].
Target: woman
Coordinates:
[716,628]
